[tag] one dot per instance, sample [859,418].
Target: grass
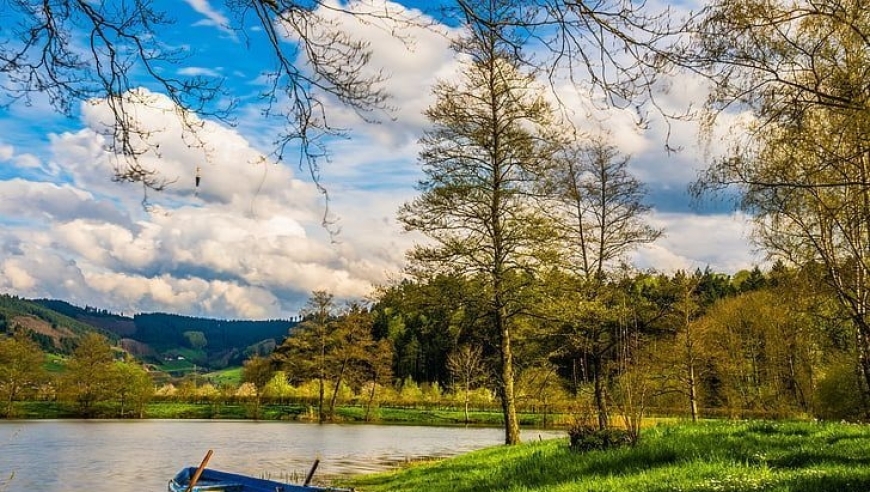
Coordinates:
[443,416]
[712,457]
[54,363]
[231,376]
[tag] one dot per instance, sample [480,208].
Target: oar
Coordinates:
[311,472]
[199,470]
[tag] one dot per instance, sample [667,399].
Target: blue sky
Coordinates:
[249,244]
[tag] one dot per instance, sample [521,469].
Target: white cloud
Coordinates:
[252,233]
[248,242]
[412,58]
[212,16]
[697,241]
[199,71]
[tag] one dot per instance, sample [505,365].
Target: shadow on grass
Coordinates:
[806,459]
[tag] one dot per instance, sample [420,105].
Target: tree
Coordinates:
[304,352]
[762,353]
[799,70]
[466,363]
[90,377]
[134,387]
[680,358]
[601,217]
[196,339]
[337,348]
[20,367]
[600,206]
[354,348]
[257,371]
[491,137]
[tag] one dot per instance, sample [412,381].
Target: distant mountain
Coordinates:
[57,326]
[164,331]
[55,331]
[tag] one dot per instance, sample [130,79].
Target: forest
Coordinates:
[692,345]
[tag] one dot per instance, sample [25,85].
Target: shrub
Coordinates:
[582,438]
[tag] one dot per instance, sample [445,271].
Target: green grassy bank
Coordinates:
[721,456]
[299,412]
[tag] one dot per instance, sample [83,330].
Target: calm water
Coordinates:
[120,456]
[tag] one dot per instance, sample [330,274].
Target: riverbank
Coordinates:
[717,456]
[299,412]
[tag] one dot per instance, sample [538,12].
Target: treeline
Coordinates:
[215,343]
[695,345]
[98,379]
[689,344]
[65,330]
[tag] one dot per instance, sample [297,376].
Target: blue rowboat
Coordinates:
[219,481]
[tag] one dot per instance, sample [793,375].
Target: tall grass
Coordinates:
[720,457]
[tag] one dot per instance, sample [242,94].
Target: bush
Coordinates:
[582,438]
[838,394]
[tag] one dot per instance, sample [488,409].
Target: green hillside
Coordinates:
[170,340]
[166,340]
[53,331]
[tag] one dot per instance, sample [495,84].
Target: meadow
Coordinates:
[708,457]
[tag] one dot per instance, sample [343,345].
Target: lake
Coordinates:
[142,455]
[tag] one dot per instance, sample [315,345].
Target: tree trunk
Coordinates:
[511,424]
[600,400]
[371,398]
[467,398]
[321,415]
[693,397]
[335,390]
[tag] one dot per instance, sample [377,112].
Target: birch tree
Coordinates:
[798,70]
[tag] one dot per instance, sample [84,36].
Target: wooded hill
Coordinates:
[58,325]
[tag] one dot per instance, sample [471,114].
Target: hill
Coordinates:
[55,331]
[157,337]
[153,337]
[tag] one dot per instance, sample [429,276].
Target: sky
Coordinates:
[249,243]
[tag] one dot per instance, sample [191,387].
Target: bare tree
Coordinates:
[601,207]
[616,48]
[466,363]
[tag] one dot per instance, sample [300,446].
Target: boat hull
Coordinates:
[219,481]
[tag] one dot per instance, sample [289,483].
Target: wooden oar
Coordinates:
[311,472]
[199,470]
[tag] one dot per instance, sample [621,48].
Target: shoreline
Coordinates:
[42,410]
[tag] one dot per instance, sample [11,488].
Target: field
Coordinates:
[710,457]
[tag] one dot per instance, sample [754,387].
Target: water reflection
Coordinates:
[104,456]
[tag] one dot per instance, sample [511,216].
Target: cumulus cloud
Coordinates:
[248,243]
[250,233]
[412,52]
[718,241]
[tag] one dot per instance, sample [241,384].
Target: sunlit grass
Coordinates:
[727,457]
[231,377]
